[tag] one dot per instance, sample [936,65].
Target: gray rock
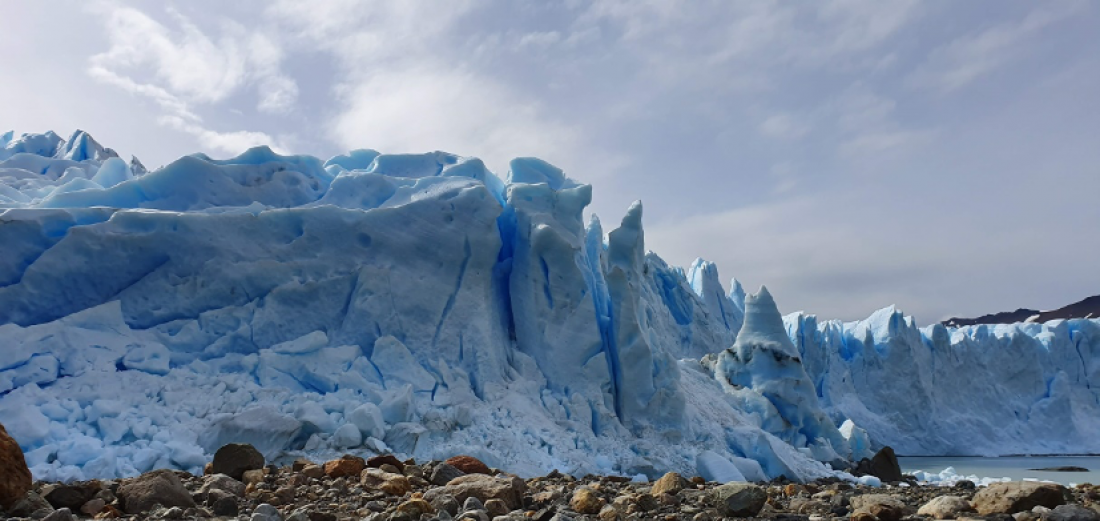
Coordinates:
[223,483]
[159,487]
[445,503]
[1071,513]
[739,499]
[444,473]
[234,459]
[72,496]
[472,503]
[226,506]
[61,514]
[29,504]
[266,512]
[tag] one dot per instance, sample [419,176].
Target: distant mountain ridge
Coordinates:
[1086,308]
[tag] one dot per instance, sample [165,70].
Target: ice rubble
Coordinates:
[413,303]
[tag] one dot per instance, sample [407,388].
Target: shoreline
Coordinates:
[239,484]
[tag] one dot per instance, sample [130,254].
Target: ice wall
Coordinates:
[372,302]
[976,390]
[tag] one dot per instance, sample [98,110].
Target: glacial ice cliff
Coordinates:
[419,304]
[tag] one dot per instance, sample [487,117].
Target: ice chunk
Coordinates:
[347,436]
[398,366]
[368,419]
[713,467]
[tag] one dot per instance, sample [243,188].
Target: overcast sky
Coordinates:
[940,156]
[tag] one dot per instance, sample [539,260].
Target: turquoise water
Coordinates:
[1014,468]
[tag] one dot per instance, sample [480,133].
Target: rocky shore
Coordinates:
[239,484]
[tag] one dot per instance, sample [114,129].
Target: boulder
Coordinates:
[15,477]
[586,501]
[388,482]
[1071,513]
[739,499]
[444,473]
[223,483]
[61,514]
[28,505]
[415,508]
[509,489]
[235,458]
[945,507]
[71,496]
[161,487]
[884,465]
[347,465]
[881,506]
[1018,496]
[385,459]
[670,483]
[468,464]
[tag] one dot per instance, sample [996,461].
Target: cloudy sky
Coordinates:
[940,156]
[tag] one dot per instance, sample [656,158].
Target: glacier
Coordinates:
[420,304]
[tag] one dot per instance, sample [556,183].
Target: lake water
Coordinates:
[1014,468]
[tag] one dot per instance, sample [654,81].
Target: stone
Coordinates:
[444,503]
[161,487]
[386,459]
[671,483]
[945,507]
[223,483]
[92,506]
[71,496]
[608,513]
[1071,513]
[388,482]
[61,514]
[235,458]
[884,465]
[15,477]
[497,507]
[444,473]
[1017,496]
[26,506]
[472,503]
[347,465]
[266,512]
[884,507]
[253,476]
[862,516]
[314,471]
[586,501]
[739,499]
[226,506]
[415,508]
[509,489]
[468,465]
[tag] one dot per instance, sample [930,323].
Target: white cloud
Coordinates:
[186,68]
[967,58]
[428,109]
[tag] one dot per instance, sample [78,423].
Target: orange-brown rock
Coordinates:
[468,464]
[15,477]
[347,465]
